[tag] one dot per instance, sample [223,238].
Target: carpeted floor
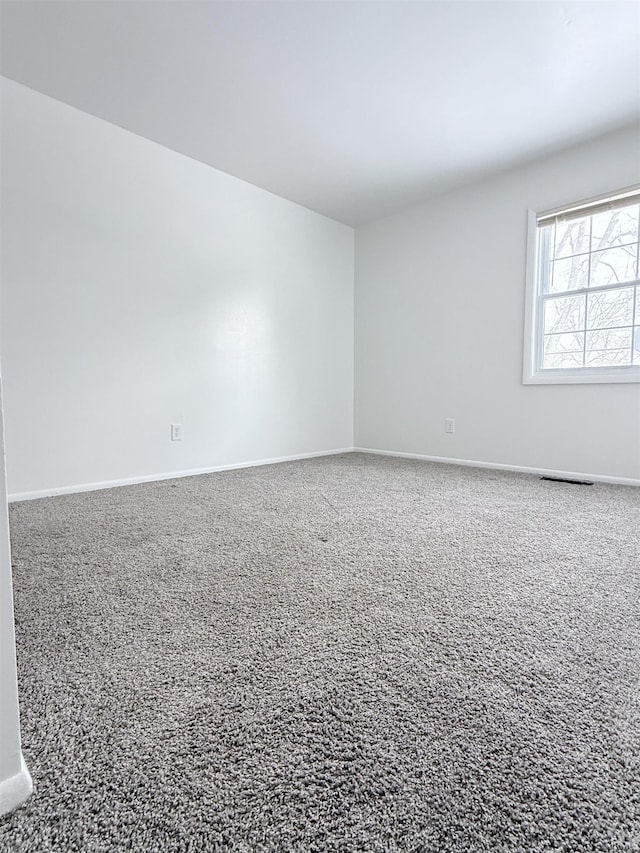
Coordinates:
[348,653]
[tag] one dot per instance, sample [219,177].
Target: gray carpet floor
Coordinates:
[350,653]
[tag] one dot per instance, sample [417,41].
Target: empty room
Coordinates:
[320,422]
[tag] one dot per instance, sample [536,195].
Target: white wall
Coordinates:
[15,782]
[141,288]
[439,328]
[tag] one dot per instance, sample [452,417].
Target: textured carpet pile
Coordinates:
[349,653]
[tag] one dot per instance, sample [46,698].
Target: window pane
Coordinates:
[545,249]
[570,273]
[610,308]
[614,228]
[572,237]
[563,351]
[613,265]
[636,345]
[563,314]
[608,347]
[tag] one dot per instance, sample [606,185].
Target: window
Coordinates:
[583,293]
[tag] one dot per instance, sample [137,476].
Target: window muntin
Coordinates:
[587,288]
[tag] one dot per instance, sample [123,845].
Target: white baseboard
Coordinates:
[172,475]
[543,472]
[15,790]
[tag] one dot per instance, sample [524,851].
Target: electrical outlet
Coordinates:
[176,432]
[449,425]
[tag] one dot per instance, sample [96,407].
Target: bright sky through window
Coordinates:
[588,293]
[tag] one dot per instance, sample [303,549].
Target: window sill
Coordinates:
[583,377]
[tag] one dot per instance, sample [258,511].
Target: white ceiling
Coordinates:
[353,109]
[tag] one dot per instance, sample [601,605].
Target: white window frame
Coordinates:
[532,373]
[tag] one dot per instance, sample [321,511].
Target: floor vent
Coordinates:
[565,480]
